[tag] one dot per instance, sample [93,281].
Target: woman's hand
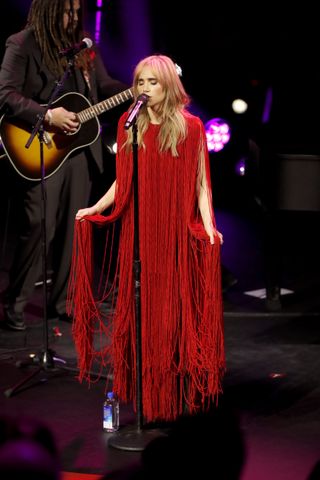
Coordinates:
[105,202]
[83,212]
[213,232]
[220,236]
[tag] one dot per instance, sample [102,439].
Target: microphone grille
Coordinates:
[88,42]
[143,97]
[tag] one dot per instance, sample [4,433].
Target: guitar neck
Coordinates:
[101,107]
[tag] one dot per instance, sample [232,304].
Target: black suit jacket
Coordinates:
[26,83]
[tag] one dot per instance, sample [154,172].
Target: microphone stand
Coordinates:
[46,359]
[135,438]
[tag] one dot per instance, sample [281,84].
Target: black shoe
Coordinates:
[64,317]
[13,320]
[52,314]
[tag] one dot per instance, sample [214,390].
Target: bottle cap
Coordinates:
[110,395]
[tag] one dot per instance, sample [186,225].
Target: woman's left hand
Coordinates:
[213,232]
[220,236]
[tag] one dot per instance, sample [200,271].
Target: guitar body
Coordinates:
[57,147]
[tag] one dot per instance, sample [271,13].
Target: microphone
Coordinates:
[141,100]
[72,51]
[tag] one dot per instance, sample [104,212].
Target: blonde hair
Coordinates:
[173,109]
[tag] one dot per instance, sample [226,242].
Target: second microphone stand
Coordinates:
[45,360]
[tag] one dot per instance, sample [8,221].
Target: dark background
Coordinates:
[224,50]
[273,366]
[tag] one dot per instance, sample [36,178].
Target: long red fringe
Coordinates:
[183,359]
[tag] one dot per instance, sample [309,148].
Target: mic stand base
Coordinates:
[133,439]
[47,362]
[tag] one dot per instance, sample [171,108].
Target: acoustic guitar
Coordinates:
[57,147]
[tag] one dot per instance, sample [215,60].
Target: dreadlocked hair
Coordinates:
[46,19]
[173,109]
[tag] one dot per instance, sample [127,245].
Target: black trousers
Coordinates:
[67,190]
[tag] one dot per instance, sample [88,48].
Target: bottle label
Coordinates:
[107,417]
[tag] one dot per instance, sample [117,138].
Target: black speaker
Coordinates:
[291,181]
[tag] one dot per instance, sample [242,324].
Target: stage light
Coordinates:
[109,138]
[111,146]
[114,147]
[240,167]
[98,26]
[218,134]
[239,105]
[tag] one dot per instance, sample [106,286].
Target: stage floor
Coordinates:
[273,364]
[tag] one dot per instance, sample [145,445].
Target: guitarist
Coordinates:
[30,69]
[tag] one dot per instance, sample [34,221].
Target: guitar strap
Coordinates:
[87,79]
[88,90]
[82,83]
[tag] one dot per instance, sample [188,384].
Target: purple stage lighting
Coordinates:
[98,26]
[98,21]
[217,133]
[240,167]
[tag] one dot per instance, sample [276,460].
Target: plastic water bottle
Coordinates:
[111,413]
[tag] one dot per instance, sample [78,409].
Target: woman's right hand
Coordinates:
[86,211]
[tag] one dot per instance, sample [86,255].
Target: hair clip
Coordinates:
[178,70]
